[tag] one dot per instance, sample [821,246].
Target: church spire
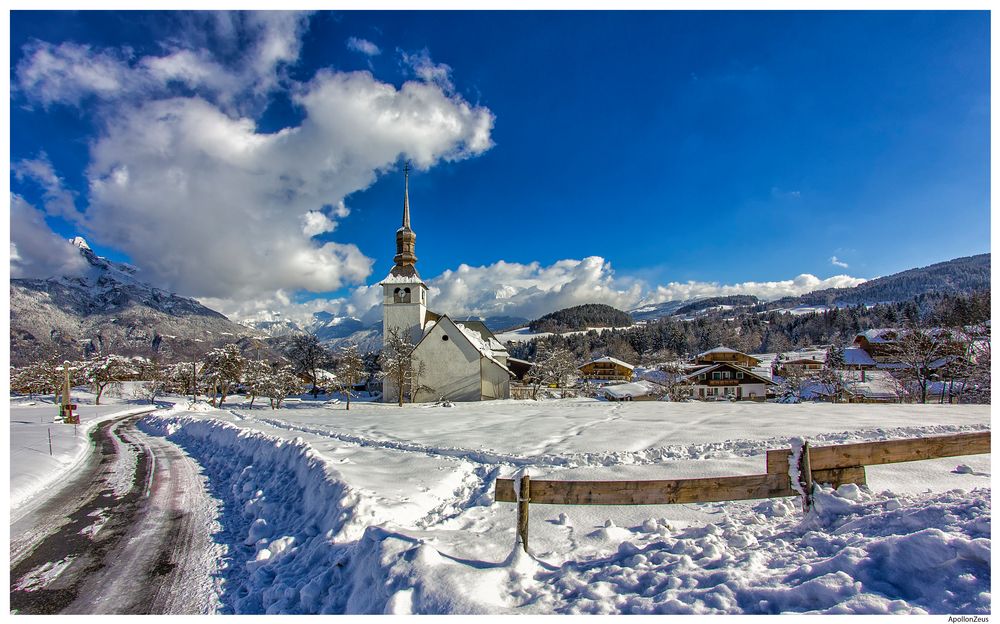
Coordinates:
[406,239]
[406,196]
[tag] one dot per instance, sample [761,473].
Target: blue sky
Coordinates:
[679,148]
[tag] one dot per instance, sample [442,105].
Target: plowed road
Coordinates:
[130,533]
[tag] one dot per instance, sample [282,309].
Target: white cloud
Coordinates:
[315,223]
[363,46]
[423,67]
[532,290]
[69,72]
[263,44]
[804,283]
[59,201]
[839,263]
[179,185]
[35,250]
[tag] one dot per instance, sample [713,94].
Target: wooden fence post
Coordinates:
[805,478]
[523,497]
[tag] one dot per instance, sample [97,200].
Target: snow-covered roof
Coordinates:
[693,376]
[882,335]
[856,356]
[611,360]
[630,390]
[402,279]
[721,349]
[484,332]
[477,343]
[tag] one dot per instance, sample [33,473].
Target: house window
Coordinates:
[739,375]
[701,377]
[716,375]
[725,374]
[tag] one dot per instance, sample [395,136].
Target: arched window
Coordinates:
[406,295]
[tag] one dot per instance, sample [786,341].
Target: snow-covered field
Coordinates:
[385,509]
[32,467]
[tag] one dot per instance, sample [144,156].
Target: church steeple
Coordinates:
[406,196]
[406,240]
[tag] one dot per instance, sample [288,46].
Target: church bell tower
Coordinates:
[404,301]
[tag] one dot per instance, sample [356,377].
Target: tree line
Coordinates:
[760,331]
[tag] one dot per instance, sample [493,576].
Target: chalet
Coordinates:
[724,373]
[806,365]
[607,369]
[881,344]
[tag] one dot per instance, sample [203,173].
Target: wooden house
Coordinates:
[607,369]
[726,374]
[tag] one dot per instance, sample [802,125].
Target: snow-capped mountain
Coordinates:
[107,308]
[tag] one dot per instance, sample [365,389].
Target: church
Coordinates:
[456,360]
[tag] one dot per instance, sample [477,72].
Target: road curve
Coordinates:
[98,547]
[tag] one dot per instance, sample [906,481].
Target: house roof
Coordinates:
[607,359]
[711,367]
[721,349]
[855,356]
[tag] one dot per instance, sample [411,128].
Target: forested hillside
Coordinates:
[762,332]
[961,276]
[581,317]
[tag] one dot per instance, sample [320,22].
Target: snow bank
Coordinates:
[321,519]
[32,468]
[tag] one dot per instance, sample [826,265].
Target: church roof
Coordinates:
[484,332]
[394,278]
[471,337]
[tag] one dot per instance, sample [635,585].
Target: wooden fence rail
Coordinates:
[833,465]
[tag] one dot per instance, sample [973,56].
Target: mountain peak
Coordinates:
[80,242]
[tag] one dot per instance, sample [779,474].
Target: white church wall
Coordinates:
[495,381]
[451,367]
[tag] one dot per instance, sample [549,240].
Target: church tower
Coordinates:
[404,302]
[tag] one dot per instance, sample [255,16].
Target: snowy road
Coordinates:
[130,533]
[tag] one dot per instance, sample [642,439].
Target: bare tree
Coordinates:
[398,364]
[792,383]
[256,376]
[281,383]
[107,371]
[553,365]
[307,356]
[223,369]
[672,380]
[921,352]
[350,370]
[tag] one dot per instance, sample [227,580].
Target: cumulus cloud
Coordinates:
[532,290]
[263,43]
[839,263]
[804,283]
[363,46]
[35,250]
[523,290]
[204,202]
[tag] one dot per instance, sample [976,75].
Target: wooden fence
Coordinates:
[833,465]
